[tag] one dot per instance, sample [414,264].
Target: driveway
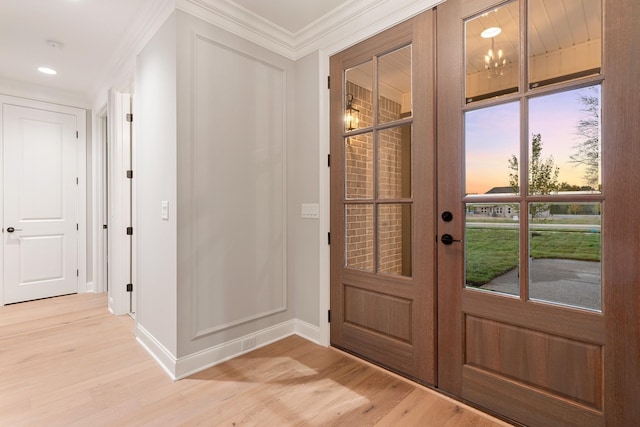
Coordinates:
[570,282]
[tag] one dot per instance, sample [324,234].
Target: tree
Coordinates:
[588,151]
[543,175]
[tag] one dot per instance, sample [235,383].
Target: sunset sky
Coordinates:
[492,136]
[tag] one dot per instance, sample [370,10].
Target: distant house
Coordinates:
[494,209]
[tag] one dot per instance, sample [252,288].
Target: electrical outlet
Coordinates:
[249,343]
[310,210]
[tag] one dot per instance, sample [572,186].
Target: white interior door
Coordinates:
[40,230]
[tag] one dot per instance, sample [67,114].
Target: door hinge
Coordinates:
[130,174]
[77,135]
[129,287]
[129,117]
[129,231]
[328,82]
[77,227]
[77,180]
[328,238]
[104,226]
[77,273]
[329,316]
[328,160]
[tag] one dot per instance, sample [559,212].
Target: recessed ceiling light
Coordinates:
[54,44]
[490,32]
[47,70]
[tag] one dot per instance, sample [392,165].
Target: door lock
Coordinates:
[448,239]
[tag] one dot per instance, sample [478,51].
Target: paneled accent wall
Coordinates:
[237,182]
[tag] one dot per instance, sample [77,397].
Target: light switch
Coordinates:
[310,210]
[165,210]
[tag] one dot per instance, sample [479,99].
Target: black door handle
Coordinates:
[11,229]
[448,239]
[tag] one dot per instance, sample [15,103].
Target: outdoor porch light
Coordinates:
[351,116]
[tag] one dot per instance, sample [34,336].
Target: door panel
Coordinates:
[531,178]
[382,213]
[40,203]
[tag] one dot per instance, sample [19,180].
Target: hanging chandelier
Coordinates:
[494,60]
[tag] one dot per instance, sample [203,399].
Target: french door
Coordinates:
[515,231]
[382,206]
[531,286]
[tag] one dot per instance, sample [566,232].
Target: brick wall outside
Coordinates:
[359,182]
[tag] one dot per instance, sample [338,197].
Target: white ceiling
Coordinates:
[93,32]
[90,30]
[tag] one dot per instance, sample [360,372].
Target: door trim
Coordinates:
[81,173]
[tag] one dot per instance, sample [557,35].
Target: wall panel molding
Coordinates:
[237,219]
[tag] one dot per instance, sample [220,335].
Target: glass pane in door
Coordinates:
[394,85]
[565,40]
[359,166]
[394,239]
[564,142]
[358,103]
[394,163]
[492,149]
[565,255]
[359,236]
[492,52]
[491,247]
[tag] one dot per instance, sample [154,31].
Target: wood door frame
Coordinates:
[618,328]
[119,194]
[622,361]
[81,173]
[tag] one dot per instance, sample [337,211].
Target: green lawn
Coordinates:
[492,252]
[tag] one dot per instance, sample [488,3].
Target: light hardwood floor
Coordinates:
[67,362]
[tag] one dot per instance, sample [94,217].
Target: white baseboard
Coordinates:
[196,362]
[164,358]
[88,288]
[308,331]
[212,356]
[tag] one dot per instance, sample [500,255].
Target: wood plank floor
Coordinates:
[67,362]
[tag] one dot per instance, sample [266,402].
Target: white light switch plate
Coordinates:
[165,210]
[310,210]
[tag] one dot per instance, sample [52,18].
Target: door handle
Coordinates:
[448,239]
[11,229]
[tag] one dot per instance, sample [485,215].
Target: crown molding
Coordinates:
[356,21]
[240,21]
[121,66]
[353,21]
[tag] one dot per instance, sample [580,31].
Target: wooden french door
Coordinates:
[538,284]
[382,199]
[507,275]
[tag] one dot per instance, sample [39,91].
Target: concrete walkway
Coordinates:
[575,283]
